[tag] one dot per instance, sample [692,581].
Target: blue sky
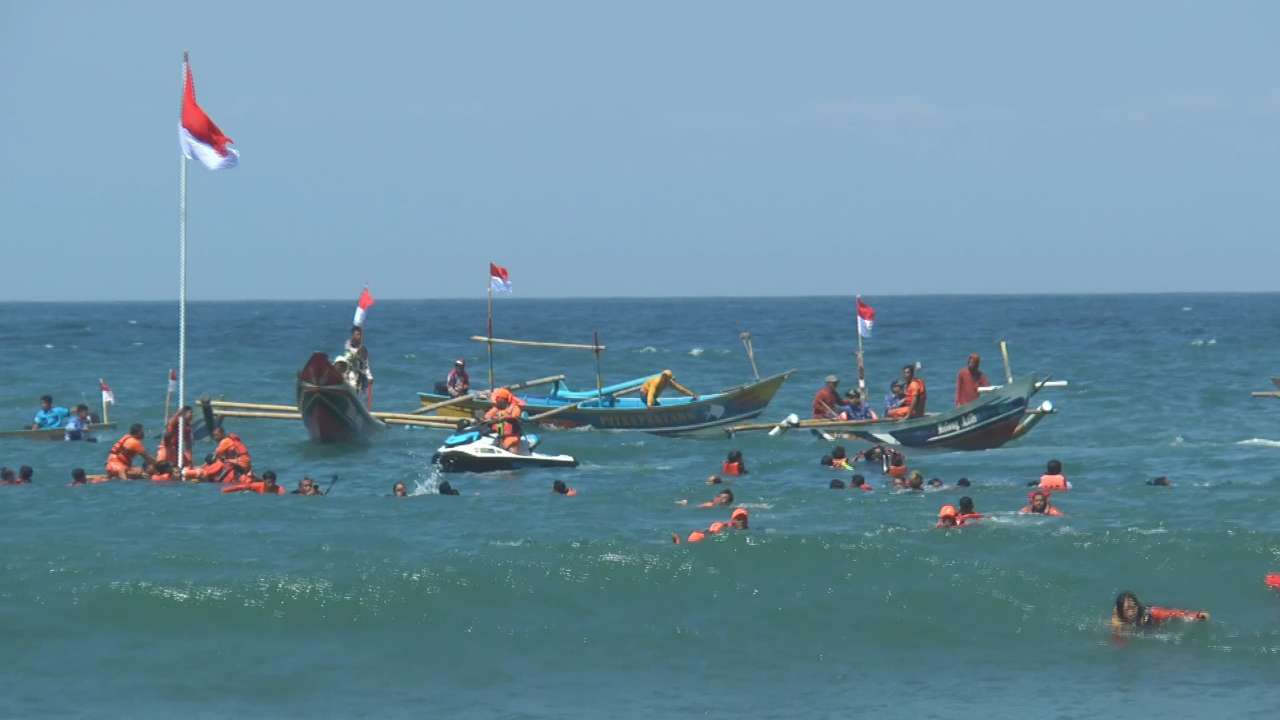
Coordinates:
[644,149]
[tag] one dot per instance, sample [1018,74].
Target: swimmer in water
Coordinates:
[1272,580]
[737,521]
[963,482]
[915,481]
[724,497]
[1131,613]
[399,490]
[967,512]
[935,483]
[559,488]
[840,458]
[1052,480]
[734,464]
[1161,481]
[1039,505]
[860,483]
[78,477]
[7,477]
[836,484]
[446,489]
[714,480]
[948,517]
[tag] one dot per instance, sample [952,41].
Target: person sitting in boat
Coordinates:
[120,458]
[168,450]
[913,402]
[656,385]
[504,417]
[854,409]
[358,373]
[827,400]
[896,397]
[969,379]
[459,382]
[77,427]
[49,416]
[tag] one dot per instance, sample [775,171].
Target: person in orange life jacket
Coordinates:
[826,402]
[654,386]
[948,517]
[935,482]
[505,417]
[1038,504]
[229,462]
[860,483]
[1272,580]
[724,497]
[266,486]
[967,513]
[559,488]
[737,521]
[1131,613]
[734,464]
[168,449]
[968,380]
[120,458]
[913,404]
[1052,480]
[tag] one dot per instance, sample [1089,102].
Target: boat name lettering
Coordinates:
[956,425]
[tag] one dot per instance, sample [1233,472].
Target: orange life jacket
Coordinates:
[259,487]
[916,396]
[731,468]
[897,471]
[1054,482]
[125,450]
[233,450]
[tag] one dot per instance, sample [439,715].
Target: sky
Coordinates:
[643,149]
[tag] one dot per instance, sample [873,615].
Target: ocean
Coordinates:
[138,600]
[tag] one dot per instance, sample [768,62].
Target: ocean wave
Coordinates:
[697,352]
[1260,442]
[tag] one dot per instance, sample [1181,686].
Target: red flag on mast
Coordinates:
[362,306]
[866,318]
[198,135]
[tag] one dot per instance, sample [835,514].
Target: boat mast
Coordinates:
[182,283]
[489,335]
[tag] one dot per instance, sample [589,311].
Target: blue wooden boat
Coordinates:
[995,418]
[608,409]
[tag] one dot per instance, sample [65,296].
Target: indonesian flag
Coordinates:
[866,318]
[173,380]
[362,307]
[499,279]
[108,397]
[198,136]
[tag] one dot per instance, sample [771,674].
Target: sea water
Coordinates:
[139,600]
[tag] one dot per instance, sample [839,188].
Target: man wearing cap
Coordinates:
[827,402]
[968,380]
[854,409]
[458,382]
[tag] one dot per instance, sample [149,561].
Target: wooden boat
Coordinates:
[607,410]
[992,420]
[330,408]
[51,434]
[1269,393]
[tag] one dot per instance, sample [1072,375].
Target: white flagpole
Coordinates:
[182,283]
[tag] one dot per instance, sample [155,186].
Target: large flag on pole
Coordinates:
[866,318]
[499,278]
[362,307]
[173,380]
[198,135]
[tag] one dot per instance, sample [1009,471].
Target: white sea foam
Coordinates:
[1260,442]
[648,349]
[697,352]
[133,322]
[47,345]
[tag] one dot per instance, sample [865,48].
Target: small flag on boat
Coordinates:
[173,380]
[499,279]
[866,318]
[198,136]
[362,307]
[108,397]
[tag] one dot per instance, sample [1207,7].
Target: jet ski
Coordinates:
[473,451]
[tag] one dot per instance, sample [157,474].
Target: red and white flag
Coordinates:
[362,307]
[499,278]
[108,397]
[173,380]
[866,318]
[198,136]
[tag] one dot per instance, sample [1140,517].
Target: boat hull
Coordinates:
[330,408]
[52,434]
[672,416]
[986,423]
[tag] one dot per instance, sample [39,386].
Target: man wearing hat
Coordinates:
[827,402]
[458,383]
[969,379]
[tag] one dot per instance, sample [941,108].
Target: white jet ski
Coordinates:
[473,452]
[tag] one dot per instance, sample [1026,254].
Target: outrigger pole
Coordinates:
[595,341]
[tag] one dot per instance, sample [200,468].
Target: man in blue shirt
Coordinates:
[78,426]
[855,409]
[897,395]
[49,417]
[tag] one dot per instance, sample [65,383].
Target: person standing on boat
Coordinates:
[49,417]
[459,382]
[827,400]
[654,386]
[357,357]
[913,403]
[969,379]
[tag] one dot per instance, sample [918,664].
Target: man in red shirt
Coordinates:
[968,380]
[826,402]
